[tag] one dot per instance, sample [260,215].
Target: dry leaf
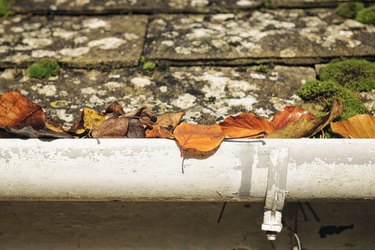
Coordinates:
[203,138]
[146,117]
[89,119]
[165,124]
[16,111]
[308,127]
[288,115]
[115,108]
[245,125]
[30,132]
[136,129]
[359,126]
[113,127]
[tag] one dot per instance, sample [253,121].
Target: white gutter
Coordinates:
[151,169]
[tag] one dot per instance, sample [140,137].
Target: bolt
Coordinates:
[271,235]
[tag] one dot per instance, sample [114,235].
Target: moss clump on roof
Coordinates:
[349,10]
[366,16]
[4,8]
[146,64]
[43,69]
[325,91]
[355,74]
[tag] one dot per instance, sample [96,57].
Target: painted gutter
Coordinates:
[151,169]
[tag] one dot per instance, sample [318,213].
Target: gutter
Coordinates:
[271,170]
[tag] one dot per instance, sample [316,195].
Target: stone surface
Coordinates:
[297,36]
[207,94]
[76,41]
[142,6]
[307,3]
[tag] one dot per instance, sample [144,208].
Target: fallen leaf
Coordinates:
[245,125]
[165,124]
[308,127]
[288,115]
[359,126]
[115,108]
[136,129]
[30,132]
[113,127]
[169,120]
[146,117]
[203,138]
[89,119]
[16,111]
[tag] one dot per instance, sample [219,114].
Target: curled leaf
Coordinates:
[16,111]
[115,108]
[359,126]
[113,127]
[165,124]
[308,127]
[245,125]
[288,115]
[203,138]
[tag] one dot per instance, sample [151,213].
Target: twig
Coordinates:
[221,212]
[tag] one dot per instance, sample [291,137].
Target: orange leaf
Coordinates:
[16,111]
[289,115]
[359,126]
[203,138]
[164,126]
[245,125]
[307,127]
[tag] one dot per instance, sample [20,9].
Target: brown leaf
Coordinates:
[16,111]
[245,125]
[30,132]
[308,127]
[145,116]
[113,127]
[115,108]
[203,138]
[288,115]
[136,129]
[359,126]
[165,124]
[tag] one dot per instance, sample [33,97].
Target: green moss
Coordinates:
[366,16]
[355,74]
[326,91]
[349,10]
[146,64]
[4,8]
[267,3]
[262,68]
[43,69]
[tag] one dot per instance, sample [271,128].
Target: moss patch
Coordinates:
[146,64]
[356,75]
[366,16]
[349,10]
[325,91]
[4,8]
[43,69]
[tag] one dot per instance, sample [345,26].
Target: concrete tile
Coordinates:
[288,36]
[75,41]
[307,3]
[207,94]
[143,6]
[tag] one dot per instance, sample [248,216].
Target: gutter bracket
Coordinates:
[276,192]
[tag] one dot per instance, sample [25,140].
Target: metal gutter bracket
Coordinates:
[276,192]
